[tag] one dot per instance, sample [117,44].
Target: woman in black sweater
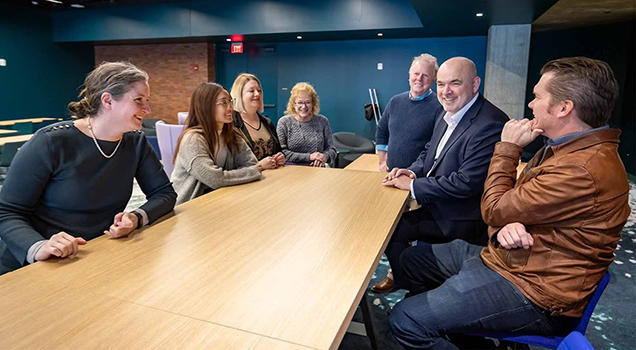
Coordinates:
[71,182]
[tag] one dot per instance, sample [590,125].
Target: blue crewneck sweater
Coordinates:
[406,127]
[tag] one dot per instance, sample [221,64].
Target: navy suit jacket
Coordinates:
[452,192]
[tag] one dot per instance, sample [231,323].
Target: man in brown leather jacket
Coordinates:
[552,232]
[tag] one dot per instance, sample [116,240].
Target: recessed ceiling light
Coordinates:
[54,1]
[299,37]
[34,2]
[380,34]
[479,14]
[228,39]
[77,6]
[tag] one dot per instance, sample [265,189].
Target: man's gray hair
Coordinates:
[430,59]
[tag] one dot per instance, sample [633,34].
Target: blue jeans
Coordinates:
[420,225]
[458,294]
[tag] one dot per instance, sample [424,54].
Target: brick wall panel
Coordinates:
[171,70]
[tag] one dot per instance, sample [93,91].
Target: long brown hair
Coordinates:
[201,119]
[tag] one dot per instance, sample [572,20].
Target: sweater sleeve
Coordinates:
[283,134]
[199,164]
[382,132]
[330,150]
[30,171]
[155,184]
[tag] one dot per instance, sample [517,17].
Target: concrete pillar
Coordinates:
[507,67]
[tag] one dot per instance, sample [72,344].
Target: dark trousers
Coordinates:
[457,294]
[419,225]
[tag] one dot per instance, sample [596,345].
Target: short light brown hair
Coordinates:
[590,84]
[237,91]
[430,59]
[296,90]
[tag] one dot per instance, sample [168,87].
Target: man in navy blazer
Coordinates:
[447,178]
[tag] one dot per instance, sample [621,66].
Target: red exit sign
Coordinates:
[237,48]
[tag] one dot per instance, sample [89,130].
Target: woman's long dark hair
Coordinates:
[201,119]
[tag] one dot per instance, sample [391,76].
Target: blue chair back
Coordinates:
[575,341]
[589,309]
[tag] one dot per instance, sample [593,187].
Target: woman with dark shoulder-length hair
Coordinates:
[304,134]
[71,182]
[259,131]
[210,152]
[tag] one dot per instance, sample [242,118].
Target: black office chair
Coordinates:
[9,151]
[148,127]
[350,146]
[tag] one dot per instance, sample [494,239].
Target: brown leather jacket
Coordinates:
[574,203]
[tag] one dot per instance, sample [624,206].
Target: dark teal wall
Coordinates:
[41,77]
[342,72]
[226,17]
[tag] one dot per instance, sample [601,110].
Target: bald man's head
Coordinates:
[457,83]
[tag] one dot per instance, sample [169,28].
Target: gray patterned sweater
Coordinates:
[195,173]
[300,139]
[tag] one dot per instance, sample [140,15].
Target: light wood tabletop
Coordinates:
[366,162]
[33,120]
[18,138]
[4,132]
[369,162]
[54,316]
[287,258]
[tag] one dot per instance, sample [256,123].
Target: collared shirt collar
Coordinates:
[457,117]
[421,97]
[565,138]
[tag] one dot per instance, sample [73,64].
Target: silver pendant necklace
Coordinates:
[90,129]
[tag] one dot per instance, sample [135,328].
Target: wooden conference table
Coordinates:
[369,162]
[33,120]
[18,138]
[280,263]
[4,132]
[366,162]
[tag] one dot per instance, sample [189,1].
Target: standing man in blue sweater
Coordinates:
[407,123]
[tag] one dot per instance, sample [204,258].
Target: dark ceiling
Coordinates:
[458,17]
[66,4]
[439,18]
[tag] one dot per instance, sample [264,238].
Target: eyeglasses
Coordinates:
[226,103]
[303,103]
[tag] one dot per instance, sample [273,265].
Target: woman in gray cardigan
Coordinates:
[305,135]
[210,153]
